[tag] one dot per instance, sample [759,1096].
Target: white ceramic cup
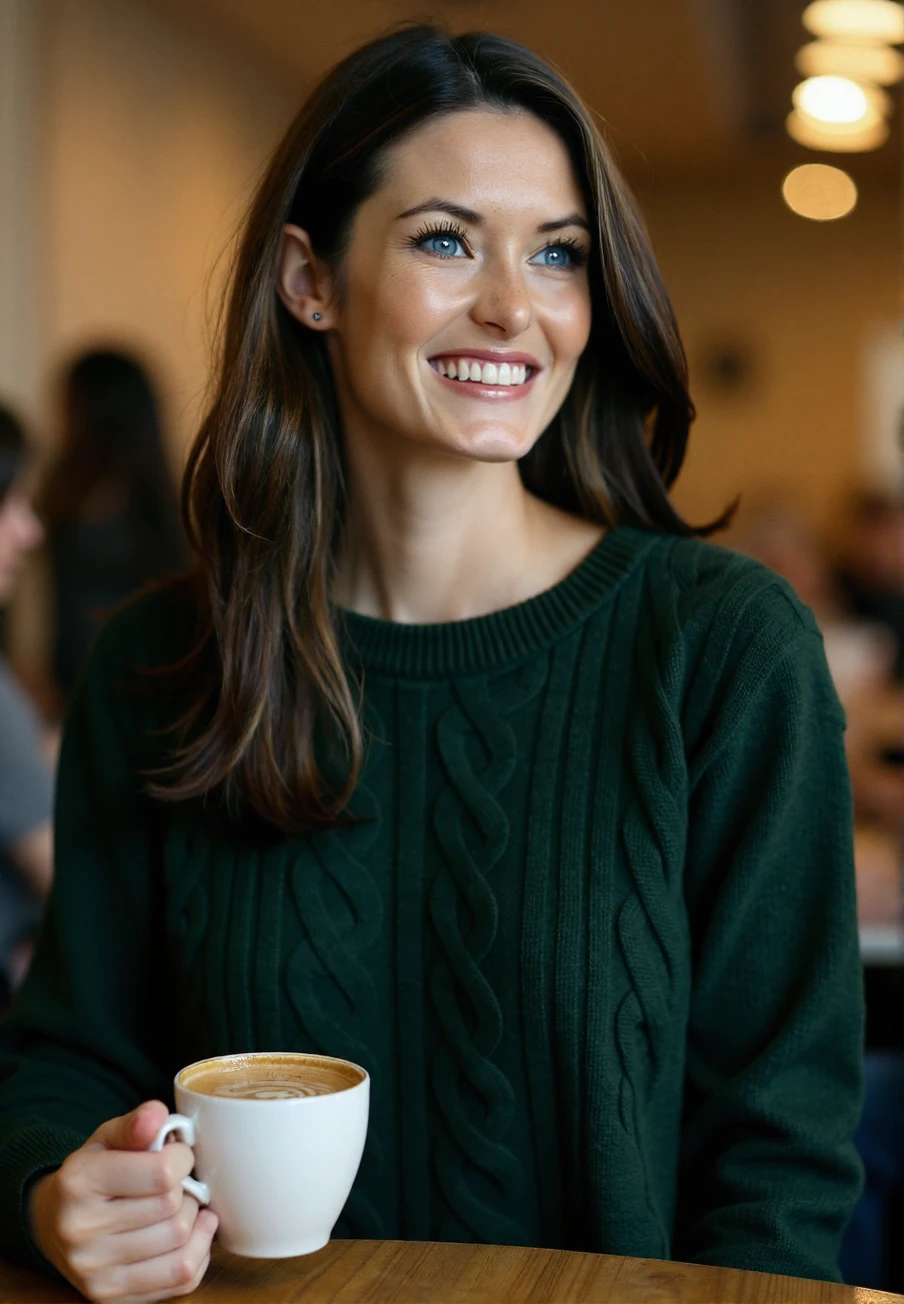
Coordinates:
[276,1169]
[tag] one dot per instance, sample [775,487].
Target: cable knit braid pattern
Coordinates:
[471,825]
[652,934]
[327,976]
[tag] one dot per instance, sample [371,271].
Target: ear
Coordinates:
[304,282]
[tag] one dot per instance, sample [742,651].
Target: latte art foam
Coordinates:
[272,1089]
[276,1076]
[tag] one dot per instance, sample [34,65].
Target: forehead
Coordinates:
[485,159]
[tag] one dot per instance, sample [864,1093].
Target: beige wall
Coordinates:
[803,298]
[18,207]
[147,136]
[153,135]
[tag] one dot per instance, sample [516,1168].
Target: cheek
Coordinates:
[567,320]
[388,309]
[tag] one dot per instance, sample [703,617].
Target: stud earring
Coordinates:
[317,316]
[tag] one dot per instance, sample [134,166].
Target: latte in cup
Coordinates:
[278,1137]
[270,1077]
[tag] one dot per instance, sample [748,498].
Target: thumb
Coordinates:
[134,1131]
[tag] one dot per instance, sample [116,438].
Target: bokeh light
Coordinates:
[839,100]
[836,137]
[819,192]
[856,20]
[879,64]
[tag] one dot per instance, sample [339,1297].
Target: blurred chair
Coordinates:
[108,502]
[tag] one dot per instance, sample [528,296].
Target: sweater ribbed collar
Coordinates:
[483,643]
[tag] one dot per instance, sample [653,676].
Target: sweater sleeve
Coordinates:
[768,1171]
[87,1039]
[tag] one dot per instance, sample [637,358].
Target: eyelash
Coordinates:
[434,229]
[575,248]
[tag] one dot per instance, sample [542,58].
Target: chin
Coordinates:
[492,444]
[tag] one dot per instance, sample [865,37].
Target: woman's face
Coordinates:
[463,303]
[20,531]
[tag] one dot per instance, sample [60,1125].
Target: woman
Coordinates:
[111,512]
[26,785]
[462,758]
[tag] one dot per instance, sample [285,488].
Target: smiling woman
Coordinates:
[457,756]
[426,288]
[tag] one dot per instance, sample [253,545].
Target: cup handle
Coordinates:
[186,1129]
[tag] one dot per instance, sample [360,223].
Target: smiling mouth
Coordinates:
[501,375]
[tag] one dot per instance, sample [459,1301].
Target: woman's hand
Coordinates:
[114,1219]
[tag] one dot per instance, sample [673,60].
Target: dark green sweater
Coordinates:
[593,937]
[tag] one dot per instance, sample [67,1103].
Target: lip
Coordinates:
[490,355]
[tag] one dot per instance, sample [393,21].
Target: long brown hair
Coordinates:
[263,494]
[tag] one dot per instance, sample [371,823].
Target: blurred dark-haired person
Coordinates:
[108,502]
[26,785]
[869,571]
[460,755]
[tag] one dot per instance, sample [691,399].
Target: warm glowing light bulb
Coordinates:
[879,64]
[835,138]
[819,192]
[831,99]
[856,20]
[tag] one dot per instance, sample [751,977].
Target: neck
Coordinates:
[435,538]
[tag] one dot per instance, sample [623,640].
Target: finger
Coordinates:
[122,1173]
[175,1273]
[131,1214]
[189,1289]
[149,1242]
[133,1131]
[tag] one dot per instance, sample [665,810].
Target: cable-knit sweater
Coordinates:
[593,933]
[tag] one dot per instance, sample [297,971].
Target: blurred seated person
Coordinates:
[109,504]
[869,570]
[862,653]
[26,785]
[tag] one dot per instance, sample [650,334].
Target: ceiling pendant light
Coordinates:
[841,101]
[835,137]
[879,64]
[856,20]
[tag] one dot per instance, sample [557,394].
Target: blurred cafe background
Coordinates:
[764,141]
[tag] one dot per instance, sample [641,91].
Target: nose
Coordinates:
[503,302]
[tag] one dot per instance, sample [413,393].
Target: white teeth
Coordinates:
[487,373]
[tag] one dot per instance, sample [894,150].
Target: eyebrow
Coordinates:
[474,219]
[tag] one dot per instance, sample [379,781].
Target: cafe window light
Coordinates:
[819,192]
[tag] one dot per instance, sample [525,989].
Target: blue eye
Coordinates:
[443,245]
[558,255]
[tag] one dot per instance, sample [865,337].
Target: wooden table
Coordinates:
[421,1272]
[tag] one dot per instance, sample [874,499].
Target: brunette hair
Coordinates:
[263,496]
[12,450]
